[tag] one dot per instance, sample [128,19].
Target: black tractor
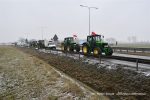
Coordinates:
[70,45]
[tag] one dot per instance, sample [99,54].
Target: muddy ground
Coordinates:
[116,83]
[26,77]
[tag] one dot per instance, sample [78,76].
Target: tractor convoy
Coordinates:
[94,44]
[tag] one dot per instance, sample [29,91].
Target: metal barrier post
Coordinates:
[143,50]
[114,50]
[79,55]
[137,65]
[120,50]
[100,59]
[134,50]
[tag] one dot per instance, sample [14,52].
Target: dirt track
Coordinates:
[123,84]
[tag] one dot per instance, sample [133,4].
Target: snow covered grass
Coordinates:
[23,76]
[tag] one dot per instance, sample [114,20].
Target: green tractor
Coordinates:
[70,45]
[96,45]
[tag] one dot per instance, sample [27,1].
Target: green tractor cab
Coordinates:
[96,45]
[70,45]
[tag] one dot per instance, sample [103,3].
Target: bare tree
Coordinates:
[111,40]
[129,39]
[132,39]
[22,40]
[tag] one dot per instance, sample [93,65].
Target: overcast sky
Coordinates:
[114,18]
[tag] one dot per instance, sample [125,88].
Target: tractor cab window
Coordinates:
[70,39]
[89,38]
[102,37]
[97,38]
[65,40]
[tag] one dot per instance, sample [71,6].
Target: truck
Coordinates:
[70,45]
[97,45]
[45,44]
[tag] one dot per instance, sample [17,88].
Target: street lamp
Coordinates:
[42,31]
[89,15]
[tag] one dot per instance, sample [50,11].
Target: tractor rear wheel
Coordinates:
[97,52]
[68,48]
[85,50]
[71,48]
[77,48]
[62,47]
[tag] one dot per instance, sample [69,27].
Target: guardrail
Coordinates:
[129,49]
[100,57]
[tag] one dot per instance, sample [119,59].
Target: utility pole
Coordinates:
[27,34]
[42,32]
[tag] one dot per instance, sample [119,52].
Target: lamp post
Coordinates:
[89,8]
[42,31]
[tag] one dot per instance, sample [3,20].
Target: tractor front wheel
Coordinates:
[85,50]
[97,52]
[108,51]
